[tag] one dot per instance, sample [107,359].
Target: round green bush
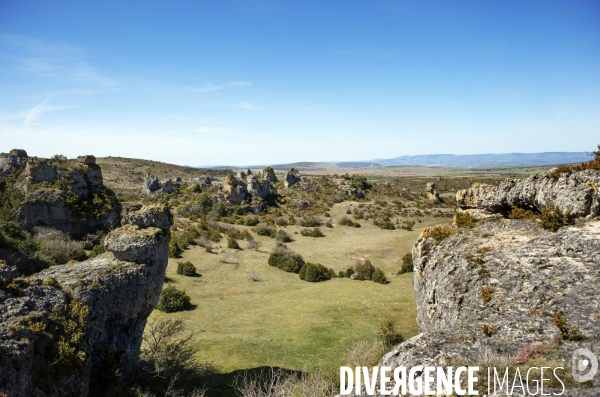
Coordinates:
[315,272]
[288,261]
[186,269]
[232,243]
[379,277]
[364,270]
[173,300]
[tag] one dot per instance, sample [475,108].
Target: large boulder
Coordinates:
[151,183]
[108,298]
[432,193]
[201,181]
[37,171]
[575,192]
[235,191]
[259,188]
[268,174]
[157,215]
[15,160]
[497,296]
[291,178]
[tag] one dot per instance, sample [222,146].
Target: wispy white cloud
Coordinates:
[34,113]
[208,87]
[248,106]
[238,83]
[55,61]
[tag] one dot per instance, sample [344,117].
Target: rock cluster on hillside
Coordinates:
[575,192]
[105,300]
[489,292]
[432,192]
[236,189]
[67,196]
[291,178]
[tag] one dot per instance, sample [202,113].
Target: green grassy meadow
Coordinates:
[284,321]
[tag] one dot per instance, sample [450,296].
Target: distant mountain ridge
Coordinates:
[488,160]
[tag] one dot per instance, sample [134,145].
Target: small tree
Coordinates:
[186,269]
[315,272]
[407,264]
[364,270]
[173,300]
[388,334]
[379,277]
[232,243]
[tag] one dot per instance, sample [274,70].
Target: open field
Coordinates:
[244,324]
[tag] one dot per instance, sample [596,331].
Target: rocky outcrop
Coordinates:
[291,178]
[268,174]
[106,301]
[234,190]
[497,288]
[432,193]
[241,174]
[575,192]
[258,187]
[16,159]
[151,183]
[68,197]
[201,181]
[355,193]
[155,215]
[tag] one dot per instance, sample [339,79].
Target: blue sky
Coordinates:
[256,82]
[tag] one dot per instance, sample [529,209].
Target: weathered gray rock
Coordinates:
[268,174]
[157,215]
[151,183]
[120,288]
[355,193]
[532,275]
[37,171]
[242,174]
[235,191]
[432,193]
[201,181]
[257,187]
[291,178]
[88,159]
[167,187]
[15,160]
[576,192]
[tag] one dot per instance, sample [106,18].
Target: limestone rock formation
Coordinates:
[241,174]
[157,215]
[355,193]
[576,192]
[167,187]
[108,298]
[432,193]
[71,198]
[201,181]
[268,174]
[291,178]
[151,183]
[257,187]
[235,191]
[15,160]
[531,276]
[87,159]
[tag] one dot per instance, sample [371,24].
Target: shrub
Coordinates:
[186,269]
[286,260]
[350,272]
[359,182]
[52,282]
[345,222]
[366,353]
[378,276]
[553,218]
[556,172]
[282,236]
[315,272]
[310,222]
[341,274]
[464,220]
[567,333]
[520,213]
[438,233]
[56,248]
[486,294]
[407,225]
[266,231]
[388,335]
[384,225]
[98,249]
[364,270]
[315,232]
[251,221]
[407,264]
[232,243]
[173,300]
[254,245]
[489,330]
[593,164]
